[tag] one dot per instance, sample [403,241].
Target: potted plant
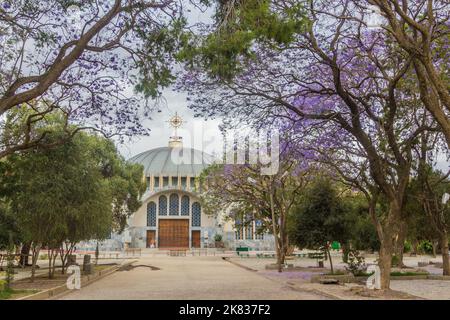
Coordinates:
[218,240]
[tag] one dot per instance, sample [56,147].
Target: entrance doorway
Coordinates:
[196,239]
[173,233]
[151,239]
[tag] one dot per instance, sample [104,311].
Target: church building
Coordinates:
[171,214]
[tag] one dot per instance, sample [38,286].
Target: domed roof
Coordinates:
[167,161]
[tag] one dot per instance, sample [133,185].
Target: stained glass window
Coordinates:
[151,214]
[184,205]
[196,214]
[173,204]
[162,205]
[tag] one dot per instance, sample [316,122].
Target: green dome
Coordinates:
[166,161]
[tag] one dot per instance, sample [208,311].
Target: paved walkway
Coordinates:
[187,278]
[428,289]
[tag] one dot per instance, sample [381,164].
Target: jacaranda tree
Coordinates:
[353,84]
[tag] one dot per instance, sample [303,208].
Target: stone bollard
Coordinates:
[88,268]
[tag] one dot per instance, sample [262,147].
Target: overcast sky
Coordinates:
[176,102]
[206,132]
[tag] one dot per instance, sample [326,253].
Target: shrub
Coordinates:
[218,237]
[356,263]
[426,246]
[407,247]
[43,256]
[2,285]
[395,261]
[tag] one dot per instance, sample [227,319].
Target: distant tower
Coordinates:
[176,122]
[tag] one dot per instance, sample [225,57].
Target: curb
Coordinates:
[239,265]
[61,290]
[315,291]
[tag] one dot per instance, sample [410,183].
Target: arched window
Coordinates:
[259,230]
[163,206]
[173,204]
[239,229]
[196,214]
[185,205]
[249,231]
[151,214]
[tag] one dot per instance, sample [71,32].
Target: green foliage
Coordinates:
[239,24]
[408,274]
[217,237]
[364,235]
[426,246]
[395,260]
[407,247]
[160,45]
[6,293]
[78,191]
[321,217]
[9,229]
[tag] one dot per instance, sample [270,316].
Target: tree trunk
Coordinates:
[385,262]
[345,246]
[275,229]
[331,261]
[415,247]
[445,254]
[64,253]
[435,244]
[35,249]
[24,252]
[400,244]
[52,254]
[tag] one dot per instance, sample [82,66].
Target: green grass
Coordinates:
[14,294]
[337,273]
[406,274]
[6,294]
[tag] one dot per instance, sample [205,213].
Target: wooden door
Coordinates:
[151,239]
[173,233]
[196,239]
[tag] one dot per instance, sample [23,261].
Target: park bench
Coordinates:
[316,255]
[240,250]
[319,256]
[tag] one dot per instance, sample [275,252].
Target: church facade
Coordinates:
[171,214]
